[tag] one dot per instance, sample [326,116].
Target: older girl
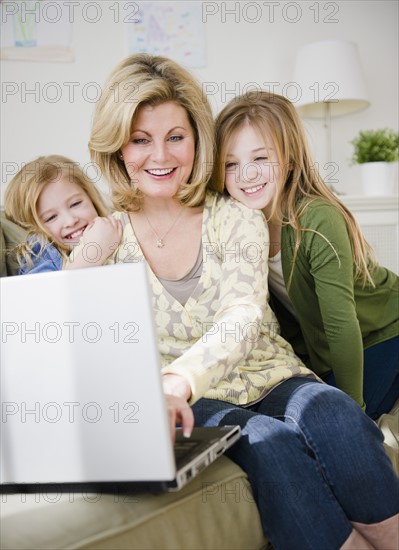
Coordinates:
[334,302]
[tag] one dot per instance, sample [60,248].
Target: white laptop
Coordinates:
[81,390]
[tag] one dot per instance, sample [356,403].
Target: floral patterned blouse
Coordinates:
[225,340]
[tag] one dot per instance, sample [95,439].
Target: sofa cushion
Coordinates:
[216,510]
[11,235]
[389,425]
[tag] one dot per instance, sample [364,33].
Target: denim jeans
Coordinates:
[380,378]
[315,462]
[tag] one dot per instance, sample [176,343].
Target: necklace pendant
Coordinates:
[160,243]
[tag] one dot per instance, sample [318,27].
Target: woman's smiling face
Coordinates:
[159,157]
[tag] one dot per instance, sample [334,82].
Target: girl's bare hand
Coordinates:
[105,234]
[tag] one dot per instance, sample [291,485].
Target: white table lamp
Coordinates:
[330,77]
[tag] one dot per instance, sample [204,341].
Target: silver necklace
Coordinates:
[160,240]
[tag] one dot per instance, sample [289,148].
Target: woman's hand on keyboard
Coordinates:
[179,412]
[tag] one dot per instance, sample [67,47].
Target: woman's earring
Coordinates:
[120,156]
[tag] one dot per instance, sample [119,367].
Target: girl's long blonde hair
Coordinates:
[22,194]
[276,115]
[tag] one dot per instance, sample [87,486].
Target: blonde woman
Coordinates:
[223,359]
[58,204]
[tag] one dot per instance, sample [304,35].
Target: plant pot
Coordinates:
[378,178]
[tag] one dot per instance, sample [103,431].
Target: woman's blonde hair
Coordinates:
[276,115]
[140,80]
[23,191]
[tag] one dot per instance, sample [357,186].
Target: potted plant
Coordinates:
[377,151]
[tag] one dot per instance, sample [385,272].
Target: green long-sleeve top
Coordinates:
[338,318]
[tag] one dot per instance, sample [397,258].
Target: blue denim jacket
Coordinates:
[46,258]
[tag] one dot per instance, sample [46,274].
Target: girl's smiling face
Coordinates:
[252,168]
[65,210]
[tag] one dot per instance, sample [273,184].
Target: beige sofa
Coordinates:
[215,511]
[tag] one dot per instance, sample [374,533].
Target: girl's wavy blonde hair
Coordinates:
[22,194]
[274,114]
[137,81]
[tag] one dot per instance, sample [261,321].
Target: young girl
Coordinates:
[336,305]
[58,205]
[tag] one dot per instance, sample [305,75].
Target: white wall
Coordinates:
[251,44]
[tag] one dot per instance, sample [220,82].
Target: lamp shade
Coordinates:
[329,72]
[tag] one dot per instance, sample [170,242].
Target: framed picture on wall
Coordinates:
[172,29]
[36,31]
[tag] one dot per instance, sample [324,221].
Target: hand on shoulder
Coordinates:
[100,239]
[105,233]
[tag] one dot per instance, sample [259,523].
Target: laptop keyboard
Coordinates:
[186,448]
